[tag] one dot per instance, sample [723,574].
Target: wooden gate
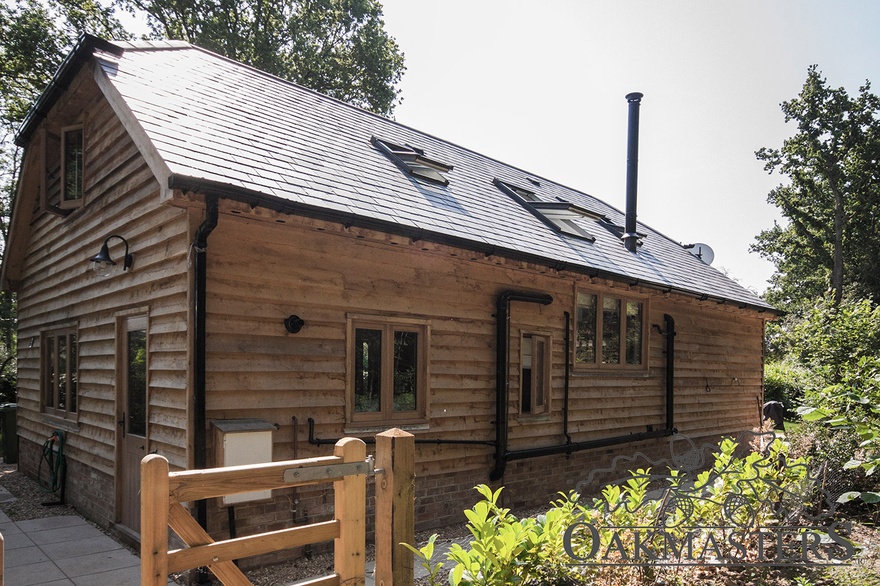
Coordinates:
[162,493]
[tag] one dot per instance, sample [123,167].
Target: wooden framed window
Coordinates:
[535,366]
[388,370]
[59,365]
[610,331]
[72,159]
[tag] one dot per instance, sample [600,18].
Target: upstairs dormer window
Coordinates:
[71,167]
[412,160]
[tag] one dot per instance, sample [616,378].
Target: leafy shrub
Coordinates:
[736,490]
[785,381]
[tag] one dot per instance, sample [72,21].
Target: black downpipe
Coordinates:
[200,245]
[570,447]
[502,386]
[670,371]
[630,236]
[568,359]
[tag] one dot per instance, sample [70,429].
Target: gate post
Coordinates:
[350,508]
[155,505]
[395,507]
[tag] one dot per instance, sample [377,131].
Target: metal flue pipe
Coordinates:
[630,237]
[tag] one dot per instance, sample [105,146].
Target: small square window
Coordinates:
[413,161]
[59,366]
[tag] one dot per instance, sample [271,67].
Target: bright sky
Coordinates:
[541,85]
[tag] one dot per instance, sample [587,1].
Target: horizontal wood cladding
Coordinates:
[58,288]
[261,270]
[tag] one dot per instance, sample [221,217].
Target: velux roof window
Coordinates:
[560,216]
[413,161]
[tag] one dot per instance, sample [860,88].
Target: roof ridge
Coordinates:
[152,44]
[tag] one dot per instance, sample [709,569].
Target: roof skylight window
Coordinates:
[564,217]
[413,161]
[560,216]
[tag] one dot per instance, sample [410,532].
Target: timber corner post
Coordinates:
[395,507]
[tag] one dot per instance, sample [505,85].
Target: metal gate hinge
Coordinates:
[330,472]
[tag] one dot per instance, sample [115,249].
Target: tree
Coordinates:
[831,199]
[337,47]
[34,38]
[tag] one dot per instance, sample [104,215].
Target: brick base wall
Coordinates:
[90,492]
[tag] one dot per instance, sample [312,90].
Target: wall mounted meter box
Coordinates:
[240,442]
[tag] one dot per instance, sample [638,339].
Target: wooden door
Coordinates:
[133,407]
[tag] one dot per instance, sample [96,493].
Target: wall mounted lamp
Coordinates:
[103,264]
[294,324]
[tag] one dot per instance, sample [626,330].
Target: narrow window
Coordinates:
[633,332]
[389,371]
[59,370]
[535,373]
[368,370]
[406,370]
[72,167]
[136,377]
[611,330]
[585,349]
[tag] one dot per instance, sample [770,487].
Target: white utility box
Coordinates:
[240,442]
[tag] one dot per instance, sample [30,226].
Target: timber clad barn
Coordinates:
[301,270]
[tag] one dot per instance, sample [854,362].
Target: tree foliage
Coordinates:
[337,47]
[831,199]
[34,38]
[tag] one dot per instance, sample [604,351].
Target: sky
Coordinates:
[541,85]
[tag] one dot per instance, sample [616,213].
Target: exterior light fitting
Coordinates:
[103,264]
[294,324]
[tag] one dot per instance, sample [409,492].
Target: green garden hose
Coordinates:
[54,459]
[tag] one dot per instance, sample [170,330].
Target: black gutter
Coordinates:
[502,380]
[255,198]
[372,440]
[80,54]
[200,266]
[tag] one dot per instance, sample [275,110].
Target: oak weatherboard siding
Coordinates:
[58,288]
[265,266]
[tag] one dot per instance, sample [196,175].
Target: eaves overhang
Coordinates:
[255,198]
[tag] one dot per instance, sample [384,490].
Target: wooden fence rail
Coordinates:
[162,493]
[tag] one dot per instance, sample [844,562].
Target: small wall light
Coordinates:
[103,264]
[294,324]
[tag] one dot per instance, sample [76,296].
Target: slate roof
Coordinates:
[218,123]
